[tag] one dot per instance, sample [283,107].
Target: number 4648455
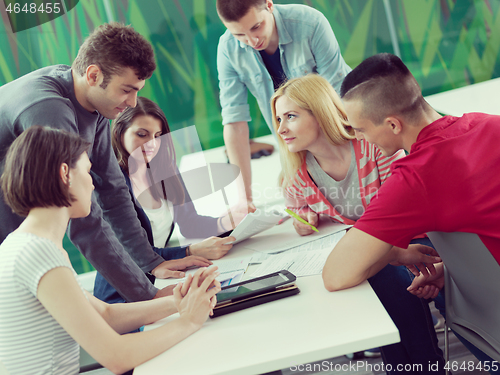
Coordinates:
[33,8]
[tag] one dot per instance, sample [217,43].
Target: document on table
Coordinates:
[327,241]
[254,223]
[324,242]
[300,264]
[299,261]
[283,237]
[230,278]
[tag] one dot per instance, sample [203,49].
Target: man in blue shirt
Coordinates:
[264,45]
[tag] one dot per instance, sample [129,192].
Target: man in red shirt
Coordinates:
[447,182]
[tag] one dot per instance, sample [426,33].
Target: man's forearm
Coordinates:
[357,257]
[236,138]
[97,242]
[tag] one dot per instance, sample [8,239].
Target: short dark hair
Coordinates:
[235,10]
[113,47]
[164,160]
[31,175]
[385,86]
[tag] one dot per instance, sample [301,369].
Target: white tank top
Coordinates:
[161,221]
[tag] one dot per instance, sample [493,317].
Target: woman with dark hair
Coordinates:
[146,155]
[44,313]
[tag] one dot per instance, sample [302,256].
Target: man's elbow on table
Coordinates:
[334,281]
[351,260]
[336,276]
[330,283]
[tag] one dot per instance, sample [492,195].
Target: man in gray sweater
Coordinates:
[111,67]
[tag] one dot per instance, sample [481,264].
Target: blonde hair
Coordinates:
[314,94]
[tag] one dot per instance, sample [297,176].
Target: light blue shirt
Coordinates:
[307,45]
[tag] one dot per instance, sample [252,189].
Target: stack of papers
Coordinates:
[305,260]
[305,263]
[279,249]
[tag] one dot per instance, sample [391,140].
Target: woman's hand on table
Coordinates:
[212,247]
[169,289]
[195,299]
[172,268]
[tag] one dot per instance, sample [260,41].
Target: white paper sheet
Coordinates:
[300,264]
[305,260]
[255,222]
[283,237]
[229,278]
[324,242]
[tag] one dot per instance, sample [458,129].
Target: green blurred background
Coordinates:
[445,43]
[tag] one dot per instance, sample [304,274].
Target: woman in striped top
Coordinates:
[44,312]
[327,171]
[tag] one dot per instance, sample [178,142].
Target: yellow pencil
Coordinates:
[293,214]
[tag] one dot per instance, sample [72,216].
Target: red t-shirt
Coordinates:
[450,182]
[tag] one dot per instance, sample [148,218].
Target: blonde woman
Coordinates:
[327,171]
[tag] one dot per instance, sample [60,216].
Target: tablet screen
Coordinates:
[231,293]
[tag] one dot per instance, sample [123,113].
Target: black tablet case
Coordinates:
[256,300]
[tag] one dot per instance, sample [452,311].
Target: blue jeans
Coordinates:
[439,301]
[418,349]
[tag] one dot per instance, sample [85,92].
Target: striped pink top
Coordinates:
[373,170]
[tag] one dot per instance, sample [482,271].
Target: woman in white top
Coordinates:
[144,149]
[44,312]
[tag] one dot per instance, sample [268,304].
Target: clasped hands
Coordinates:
[171,269]
[196,296]
[425,263]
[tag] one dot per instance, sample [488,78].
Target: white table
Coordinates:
[479,97]
[313,325]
